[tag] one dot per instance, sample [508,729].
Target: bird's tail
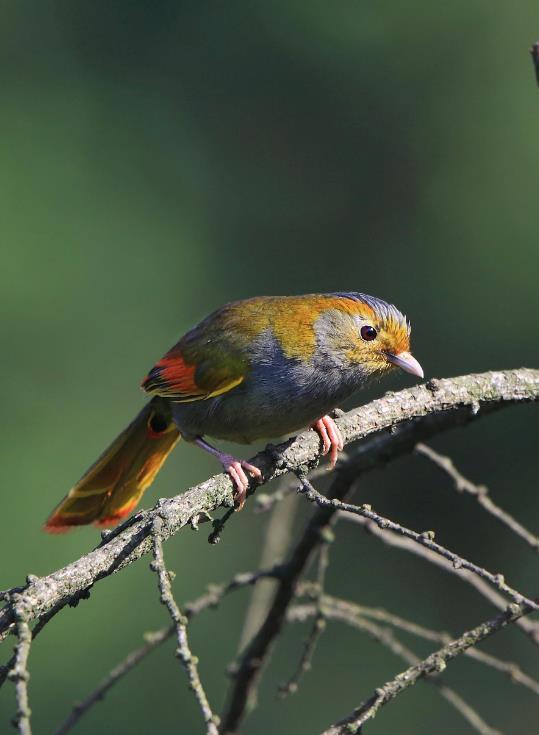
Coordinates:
[113,486]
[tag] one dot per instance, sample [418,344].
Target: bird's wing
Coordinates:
[195,369]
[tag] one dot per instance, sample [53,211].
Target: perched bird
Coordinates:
[262,367]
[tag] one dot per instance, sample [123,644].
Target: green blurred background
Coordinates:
[161,158]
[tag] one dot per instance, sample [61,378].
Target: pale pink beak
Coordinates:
[407,362]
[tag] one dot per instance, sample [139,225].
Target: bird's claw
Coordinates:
[236,469]
[332,439]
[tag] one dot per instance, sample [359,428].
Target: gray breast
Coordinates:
[279,396]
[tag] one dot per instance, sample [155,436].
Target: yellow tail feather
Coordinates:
[113,486]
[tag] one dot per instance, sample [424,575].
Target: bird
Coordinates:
[256,368]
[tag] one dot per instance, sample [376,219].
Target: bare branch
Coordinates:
[434,407]
[19,674]
[216,592]
[319,624]
[435,663]
[38,627]
[190,662]
[387,639]
[479,492]
[466,710]
[265,502]
[371,453]
[340,609]
[389,538]
[348,610]
[153,640]
[255,655]
[424,539]
[210,599]
[353,609]
[389,427]
[511,669]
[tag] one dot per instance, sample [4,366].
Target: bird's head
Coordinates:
[374,335]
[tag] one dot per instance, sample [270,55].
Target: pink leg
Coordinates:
[331,437]
[235,468]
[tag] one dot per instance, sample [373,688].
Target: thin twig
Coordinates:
[466,710]
[319,623]
[479,492]
[266,501]
[208,600]
[530,627]
[216,593]
[38,627]
[350,610]
[435,663]
[19,674]
[383,616]
[511,669]
[255,655]
[424,539]
[153,640]
[190,662]
[387,639]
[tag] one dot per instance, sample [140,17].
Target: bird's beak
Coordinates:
[407,362]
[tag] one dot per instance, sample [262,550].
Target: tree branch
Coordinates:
[389,427]
[190,662]
[425,539]
[19,674]
[152,641]
[479,492]
[415,412]
[387,639]
[530,627]
[338,609]
[434,663]
[319,624]
[347,611]
[434,407]
[210,599]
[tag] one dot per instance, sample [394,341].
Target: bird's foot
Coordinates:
[235,468]
[332,439]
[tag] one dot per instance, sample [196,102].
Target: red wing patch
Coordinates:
[173,377]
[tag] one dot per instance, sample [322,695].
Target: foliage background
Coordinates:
[161,158]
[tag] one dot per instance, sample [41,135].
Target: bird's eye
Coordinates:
[368,333]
